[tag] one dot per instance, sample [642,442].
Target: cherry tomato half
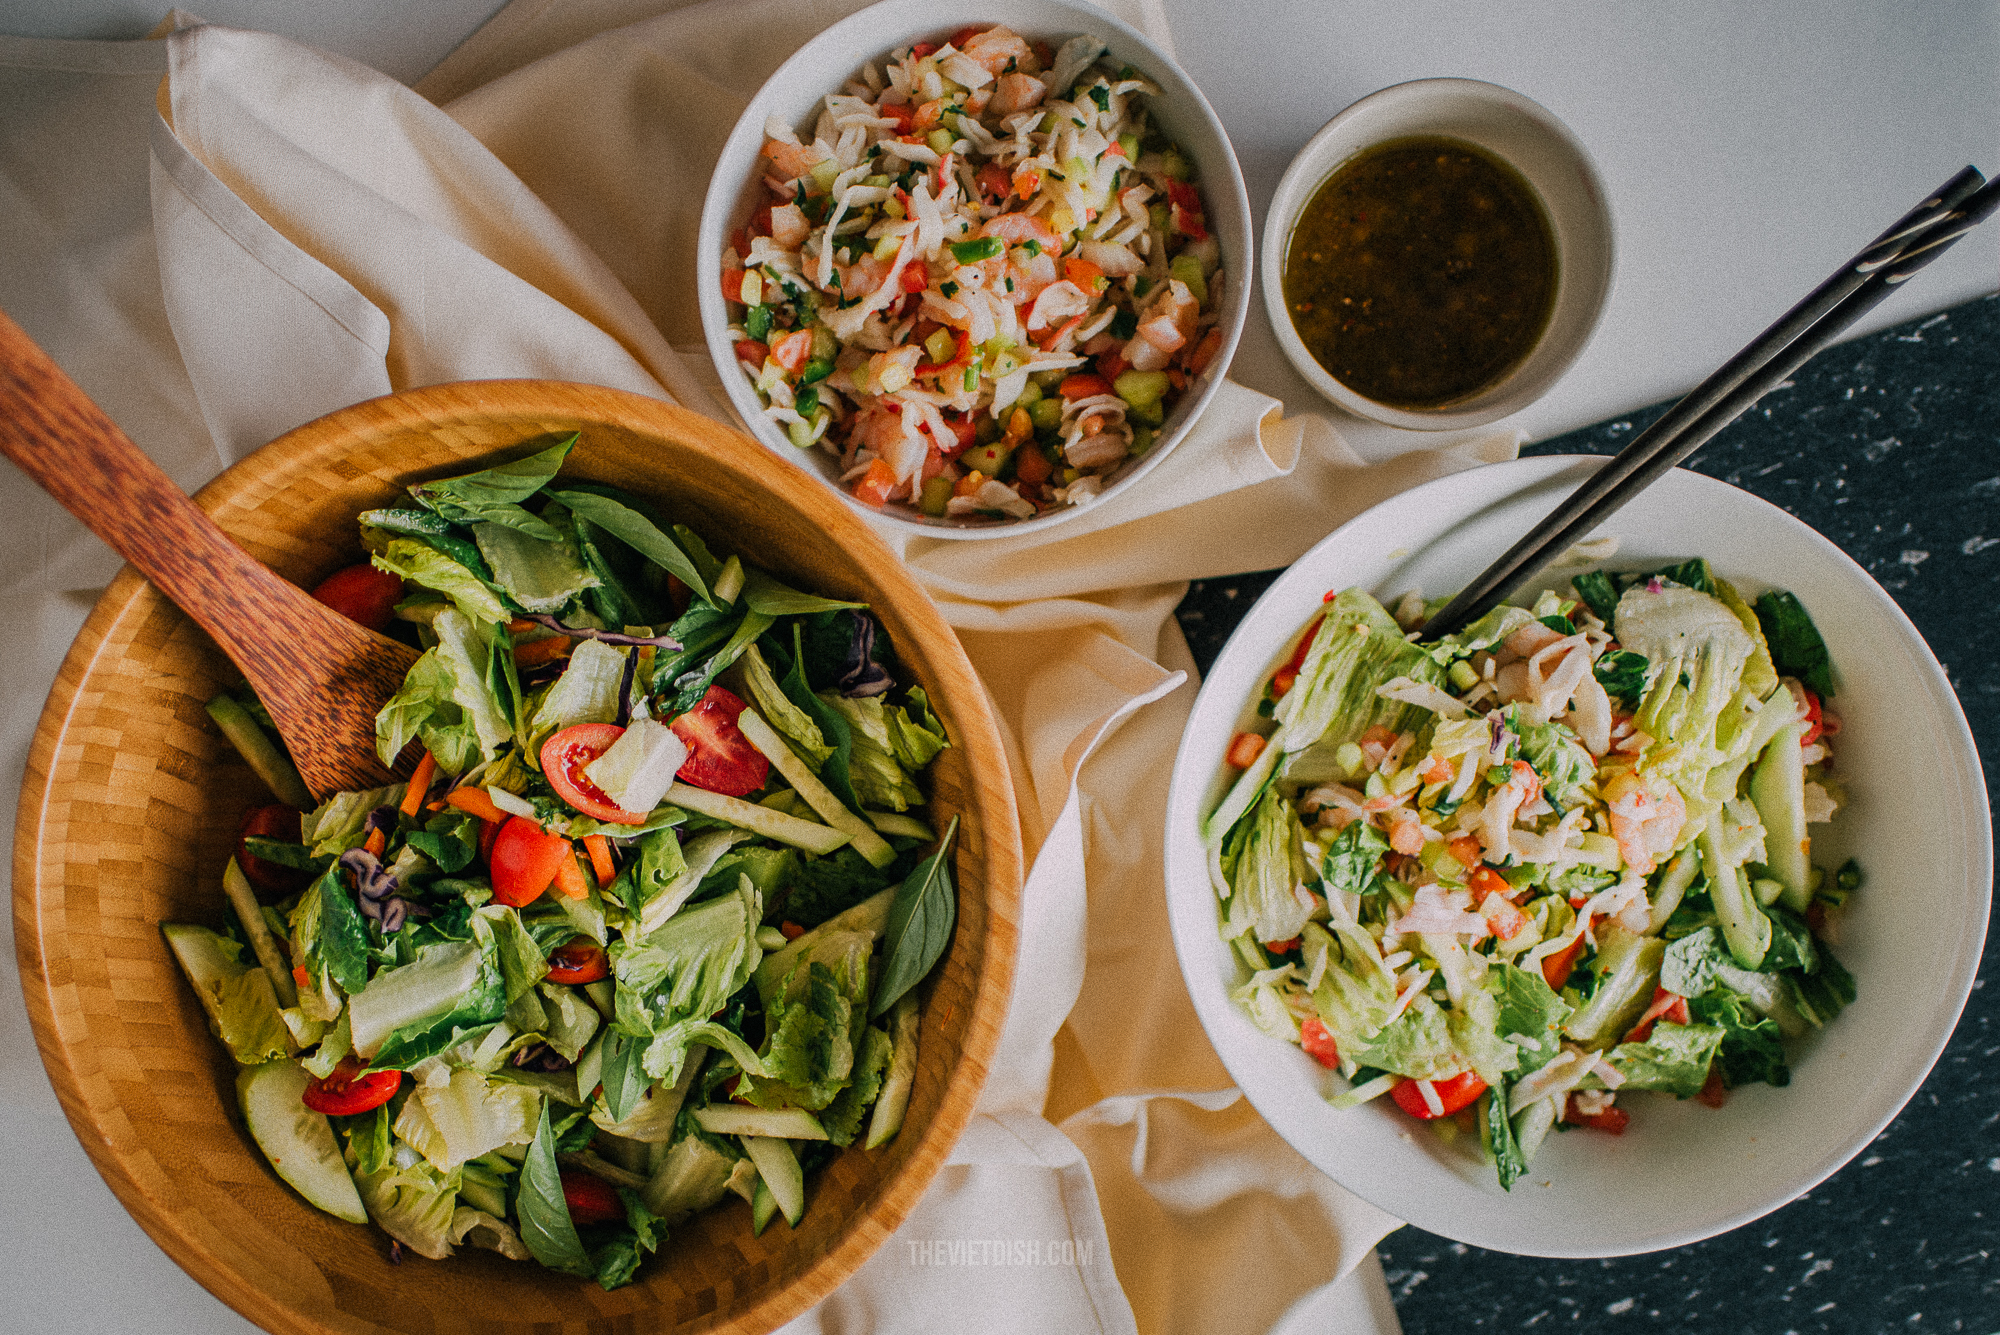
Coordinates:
[1455,1093]
[347,1091]
[362,593]
[525,861]
[581,961]
[591,1200]
[720,758]
[564,758]
[273,880]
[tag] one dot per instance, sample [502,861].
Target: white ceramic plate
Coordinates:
[1917,820]
[822,65]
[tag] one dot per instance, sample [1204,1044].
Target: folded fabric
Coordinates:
[320,228]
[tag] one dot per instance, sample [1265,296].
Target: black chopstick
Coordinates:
[1916,239]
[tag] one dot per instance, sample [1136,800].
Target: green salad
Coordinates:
[643,927]
[1510,876]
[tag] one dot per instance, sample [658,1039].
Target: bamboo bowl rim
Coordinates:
[92,960]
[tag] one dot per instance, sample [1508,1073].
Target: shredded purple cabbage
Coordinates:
[548,622]
[861,674]
[375,888]
[625,682]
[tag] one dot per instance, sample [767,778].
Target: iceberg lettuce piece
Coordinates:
[1270,869]
[1673,1060]
[1357,648]
[877,776]
[588,691]
[466,1116]
[477,652]
[237,997]
[541,574]
[481,1229]
[421,563]
[1355,992]
[672,980]
[1416,1043]
[412,1202]
[1263,998]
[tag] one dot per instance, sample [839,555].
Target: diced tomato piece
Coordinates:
[1244,749]
[1284,677]
[273,880]
[1457,1092]
[1084,385]
[760,221]
[720,758]
[1111,365]
[1815,719]
[993,180]
[964,35]
[964,433]
[732,285]
[922,49]
[1204,352]
[751,351]
[902,113]
[1031,465]
[1026,182]
[1319,1044]
[1713,1092]
[791,930]
[1506,921]
[1556,968]
[1666,1005]
[876,484]
[792,350]
[1084,274]
[1466,850]
[915,277]
[1484,881]
[1613,1119]
[1284,947]
[933,466]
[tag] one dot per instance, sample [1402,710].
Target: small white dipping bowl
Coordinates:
[821,66]
[1916,819]
[1521,134]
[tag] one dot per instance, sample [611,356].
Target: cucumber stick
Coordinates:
[894,1100]
[298,1141]
[809,835]
[779,1170]
[818,796]
[1778,789]
[736,1119]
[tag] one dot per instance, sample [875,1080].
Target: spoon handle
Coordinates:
[293,649]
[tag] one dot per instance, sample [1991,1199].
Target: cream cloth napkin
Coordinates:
[323,235]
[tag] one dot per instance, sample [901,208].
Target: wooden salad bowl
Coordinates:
[129,810]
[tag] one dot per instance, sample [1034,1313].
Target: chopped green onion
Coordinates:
[816,370]
[757,323]
[807,401]
[949,289]
[1102,96]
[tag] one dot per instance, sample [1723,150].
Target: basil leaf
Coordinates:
[625,1080]
[433,529]
[546,1228]
[1622,673]
[920,922]
[761,593]
[494,495]
[1508,1161]
[1599,594]
[635,530]
[1796,647]
[835,772]
[342,936]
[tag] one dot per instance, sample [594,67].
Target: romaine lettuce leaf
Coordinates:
[842,1117]
[542,574]
[1355,991]
[809,1049]
[1673,1060]
[412,1204]
[420,563]
[1530,1014]
[587,691]
[1264,899]
[465,1117]
[877,777]
[1753,1047]
[1416,1043]
[1351,861]
[1357,648]
[796,726]
[686,971]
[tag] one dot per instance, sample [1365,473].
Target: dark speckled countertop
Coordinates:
[1890,446]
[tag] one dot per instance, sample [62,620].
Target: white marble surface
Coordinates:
[1746,150]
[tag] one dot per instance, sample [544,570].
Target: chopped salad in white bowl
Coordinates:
[1451,912]
[984,278]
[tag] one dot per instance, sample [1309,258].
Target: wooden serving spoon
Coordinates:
[322,676]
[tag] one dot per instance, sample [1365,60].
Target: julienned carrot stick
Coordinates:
[536,652]
[599,849]
[376,842]
[420,784]
[569,878]
[472,799]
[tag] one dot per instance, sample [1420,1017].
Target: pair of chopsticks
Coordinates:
[1890,260]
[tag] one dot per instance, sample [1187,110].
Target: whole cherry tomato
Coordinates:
[348,1091]
[581,961]
[525,861]
[362,593]
[591,1200]
[1455,1093]
[272,880]
[564,758]
[720,758]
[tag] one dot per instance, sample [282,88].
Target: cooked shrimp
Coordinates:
[1646,818]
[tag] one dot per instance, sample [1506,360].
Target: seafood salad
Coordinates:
[981,278]
[1509,876]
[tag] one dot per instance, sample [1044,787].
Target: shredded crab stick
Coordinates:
[965,232]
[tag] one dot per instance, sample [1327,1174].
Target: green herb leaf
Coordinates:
[1508,1161]
[1622,673]
[546,1228]
[920,924]
[972,252]
[631,527]
[625,1081]
[761,593]
[494,495]
[1796,647]
[1599,594]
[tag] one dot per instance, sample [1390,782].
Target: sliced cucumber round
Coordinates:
[298,1141]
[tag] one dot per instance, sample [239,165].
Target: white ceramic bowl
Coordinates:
[1515,130]
[820,67]
[1911,937]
